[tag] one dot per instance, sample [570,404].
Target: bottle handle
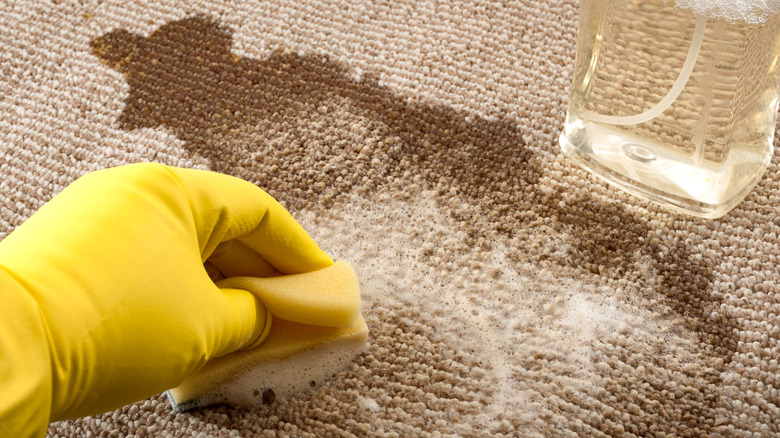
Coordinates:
[671,96]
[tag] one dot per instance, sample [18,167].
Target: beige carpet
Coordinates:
[508,293]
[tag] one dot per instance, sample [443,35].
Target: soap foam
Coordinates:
[744,11]
[477,300]
[247,384]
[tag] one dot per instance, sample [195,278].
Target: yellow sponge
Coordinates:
[316,330]
[329,297]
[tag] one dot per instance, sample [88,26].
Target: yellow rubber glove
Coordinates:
[107,293]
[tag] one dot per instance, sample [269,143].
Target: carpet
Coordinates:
[507,292]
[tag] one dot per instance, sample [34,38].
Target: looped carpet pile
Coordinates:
[508,292]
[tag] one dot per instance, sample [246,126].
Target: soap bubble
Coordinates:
[746,11]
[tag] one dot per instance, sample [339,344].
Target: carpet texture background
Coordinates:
[508,293]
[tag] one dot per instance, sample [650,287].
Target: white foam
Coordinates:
[368,404]
[499,316]
[746,11]
[268,382]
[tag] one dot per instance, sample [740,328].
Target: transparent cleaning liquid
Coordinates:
[675,104]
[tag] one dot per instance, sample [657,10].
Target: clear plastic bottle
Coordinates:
[676,105]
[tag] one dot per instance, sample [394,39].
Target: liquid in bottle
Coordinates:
[675,104]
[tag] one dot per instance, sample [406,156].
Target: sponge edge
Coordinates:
[293,358]
[319,333]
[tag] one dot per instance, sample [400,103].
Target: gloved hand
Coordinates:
[107,293]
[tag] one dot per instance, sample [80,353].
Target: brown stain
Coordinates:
[253,117]
[185,78]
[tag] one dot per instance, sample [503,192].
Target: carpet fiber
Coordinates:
[508,292]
